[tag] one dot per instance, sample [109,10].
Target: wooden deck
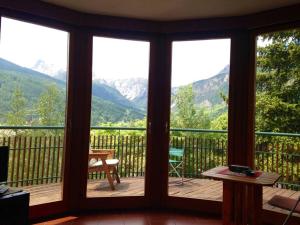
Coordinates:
[192,188]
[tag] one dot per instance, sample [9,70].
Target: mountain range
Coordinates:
[207,92]
[112,100]
[107,103]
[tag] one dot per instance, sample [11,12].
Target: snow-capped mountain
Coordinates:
[49,69]
[133,89]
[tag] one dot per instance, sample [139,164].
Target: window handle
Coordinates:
[149,127]
[167,127]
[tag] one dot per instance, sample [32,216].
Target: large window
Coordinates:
[117,153]
[277,121]
[33,71]
[198,134]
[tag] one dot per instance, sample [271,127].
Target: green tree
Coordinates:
[51,107]
[224,97]
[278,82]
[17,113]
[220,123]
[186,114]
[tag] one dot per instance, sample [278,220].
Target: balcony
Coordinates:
[36,156]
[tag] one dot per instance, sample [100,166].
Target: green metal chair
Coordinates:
[176,162]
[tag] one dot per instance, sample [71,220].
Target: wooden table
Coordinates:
[242,195]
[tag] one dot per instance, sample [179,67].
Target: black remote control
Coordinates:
[250,173]
[238,168]
[241,169]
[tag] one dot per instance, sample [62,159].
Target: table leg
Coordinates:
[227,203]
[242,204]
[255,198]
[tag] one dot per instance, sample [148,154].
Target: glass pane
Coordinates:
[33,68]
[199,106]
[277,121]
[118,118]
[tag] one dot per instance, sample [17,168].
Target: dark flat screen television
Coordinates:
[3,163]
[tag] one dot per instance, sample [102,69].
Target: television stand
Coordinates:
[14,208]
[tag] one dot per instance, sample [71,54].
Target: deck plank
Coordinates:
[134,186]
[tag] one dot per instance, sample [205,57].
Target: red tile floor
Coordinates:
[135,218]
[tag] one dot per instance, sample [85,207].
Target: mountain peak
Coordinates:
[131,88]
[225,69]
[50,69]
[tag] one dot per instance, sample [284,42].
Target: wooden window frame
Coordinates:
[81,27]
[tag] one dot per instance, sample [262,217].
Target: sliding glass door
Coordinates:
[199,112]
[33,85]
[117,152]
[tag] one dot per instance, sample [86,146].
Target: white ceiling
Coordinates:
[168,10]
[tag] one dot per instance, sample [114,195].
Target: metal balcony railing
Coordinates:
[36,153]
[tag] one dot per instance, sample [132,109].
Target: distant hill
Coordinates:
[207,92]
[108,105]
[8,66]
[31,83]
